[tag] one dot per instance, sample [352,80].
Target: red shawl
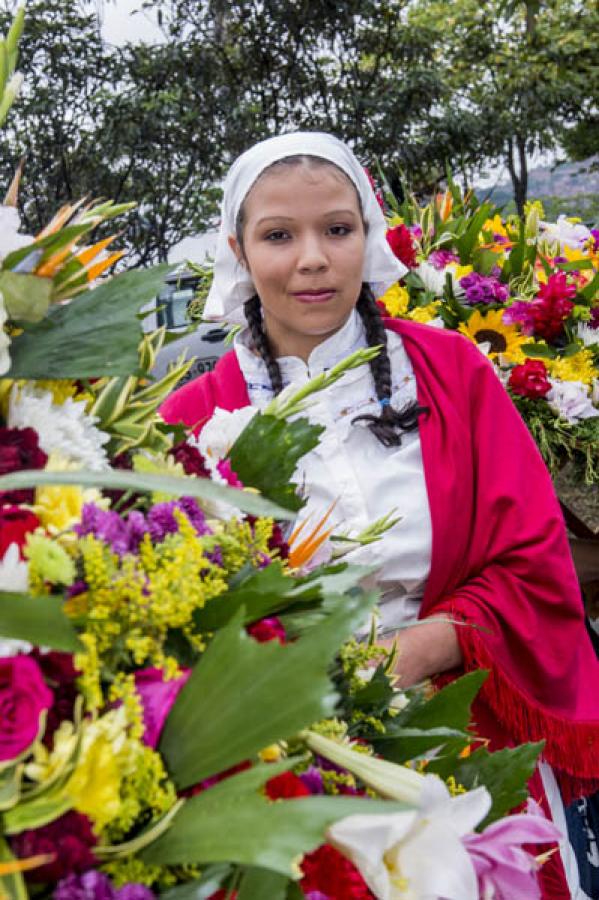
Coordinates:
[500,557]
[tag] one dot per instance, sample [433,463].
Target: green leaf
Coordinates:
[39,620]
[505,774]
[28,257]
[11,886]
[121,479]
[27,297]
[589,291]
[264,592]
[238,698]
[442,720]
[233,822]
[201,889]
[263,883]
[539,351]
[96,334]
[37,812]
[281,445]
[465,243]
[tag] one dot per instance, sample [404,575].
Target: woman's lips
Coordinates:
[314,296]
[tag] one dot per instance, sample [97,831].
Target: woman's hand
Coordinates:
[425,649]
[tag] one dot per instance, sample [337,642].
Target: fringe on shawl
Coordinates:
[571,748]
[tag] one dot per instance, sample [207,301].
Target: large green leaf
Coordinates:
[96,334]
[121,479]
[263,883]
[441,720]
[202,888]
[26,297]
[234,822]
[39,620]
[504,773]
[266,453]
[243,695]
[262,593]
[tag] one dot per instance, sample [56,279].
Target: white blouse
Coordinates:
[350,466]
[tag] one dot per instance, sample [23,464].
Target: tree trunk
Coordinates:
[518,175]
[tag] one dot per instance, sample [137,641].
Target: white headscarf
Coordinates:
[232,284]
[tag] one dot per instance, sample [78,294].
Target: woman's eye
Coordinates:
[340,230]
[277,236]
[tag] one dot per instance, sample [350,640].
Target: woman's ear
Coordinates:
[234,245]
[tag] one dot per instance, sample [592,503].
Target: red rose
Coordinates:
[327,871]
[530,379]
[69,838]
[15,525]
[270,629]
[23,698]
[400,241]
[19,449]
[286,786]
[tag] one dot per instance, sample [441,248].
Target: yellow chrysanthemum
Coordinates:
[396,300]
[460,271]
[61,390]
[425,313]
[504,340]
[58,507]
[578,367]
[495,225]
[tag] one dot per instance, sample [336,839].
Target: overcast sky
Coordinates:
[124,22]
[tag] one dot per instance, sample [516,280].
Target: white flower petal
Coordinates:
[14,571]
[10,239]
[221,431]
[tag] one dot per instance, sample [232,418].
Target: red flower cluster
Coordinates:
[269,629]
[191,459]
[60,675]
[286,786]
[328,872]
[530,379]
[377,193]
[19,449]
[69,839]
[400,241]
[551,306]
[15,525]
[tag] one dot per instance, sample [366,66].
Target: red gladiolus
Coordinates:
[530,379]
[552,306]
[15,525]
[286,786]
[400,241]
[327,871]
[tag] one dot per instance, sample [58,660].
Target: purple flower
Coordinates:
[595,236]
[504,869]
[313,780]
[483,289]
[162,521]
[92,885]
[121,535]
[594,320]
[134,892]
[440,259]
[520,312]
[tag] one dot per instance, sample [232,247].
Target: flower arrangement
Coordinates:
[185,710]
[526,292]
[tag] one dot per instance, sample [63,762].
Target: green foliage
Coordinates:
[241,688]
[232,821]
[281,445]
[39,620]
[96,334]
[12,886]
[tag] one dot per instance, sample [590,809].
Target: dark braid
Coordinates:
[388,426]
[253,314]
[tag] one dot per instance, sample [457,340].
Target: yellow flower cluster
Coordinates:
[396,300]
[578,367]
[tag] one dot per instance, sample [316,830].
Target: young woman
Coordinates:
[427,430]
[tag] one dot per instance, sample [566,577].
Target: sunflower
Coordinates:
[504,340]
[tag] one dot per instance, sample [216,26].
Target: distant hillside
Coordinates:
[568,189]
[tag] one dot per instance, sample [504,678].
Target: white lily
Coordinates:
[434,279]
[565,233]
[571,400]
[4,340]
[417,854]
[10,239]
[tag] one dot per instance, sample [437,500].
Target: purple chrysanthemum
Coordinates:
[191,508]
[92,885]
[483,289]
[162,521]
[122,535]
[312,778]
[440,259]
[134,892]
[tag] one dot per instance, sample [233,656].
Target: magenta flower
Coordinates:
[440,259]
[504,869]
[521,312]
[223,467]
[157,697]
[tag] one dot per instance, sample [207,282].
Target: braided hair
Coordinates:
[389,425]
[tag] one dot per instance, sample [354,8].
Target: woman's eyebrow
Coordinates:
[332,212]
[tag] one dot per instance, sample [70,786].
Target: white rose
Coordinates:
[221,431]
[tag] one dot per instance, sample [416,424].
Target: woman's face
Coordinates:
[303,243]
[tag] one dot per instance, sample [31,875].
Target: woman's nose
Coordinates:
[312,254]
